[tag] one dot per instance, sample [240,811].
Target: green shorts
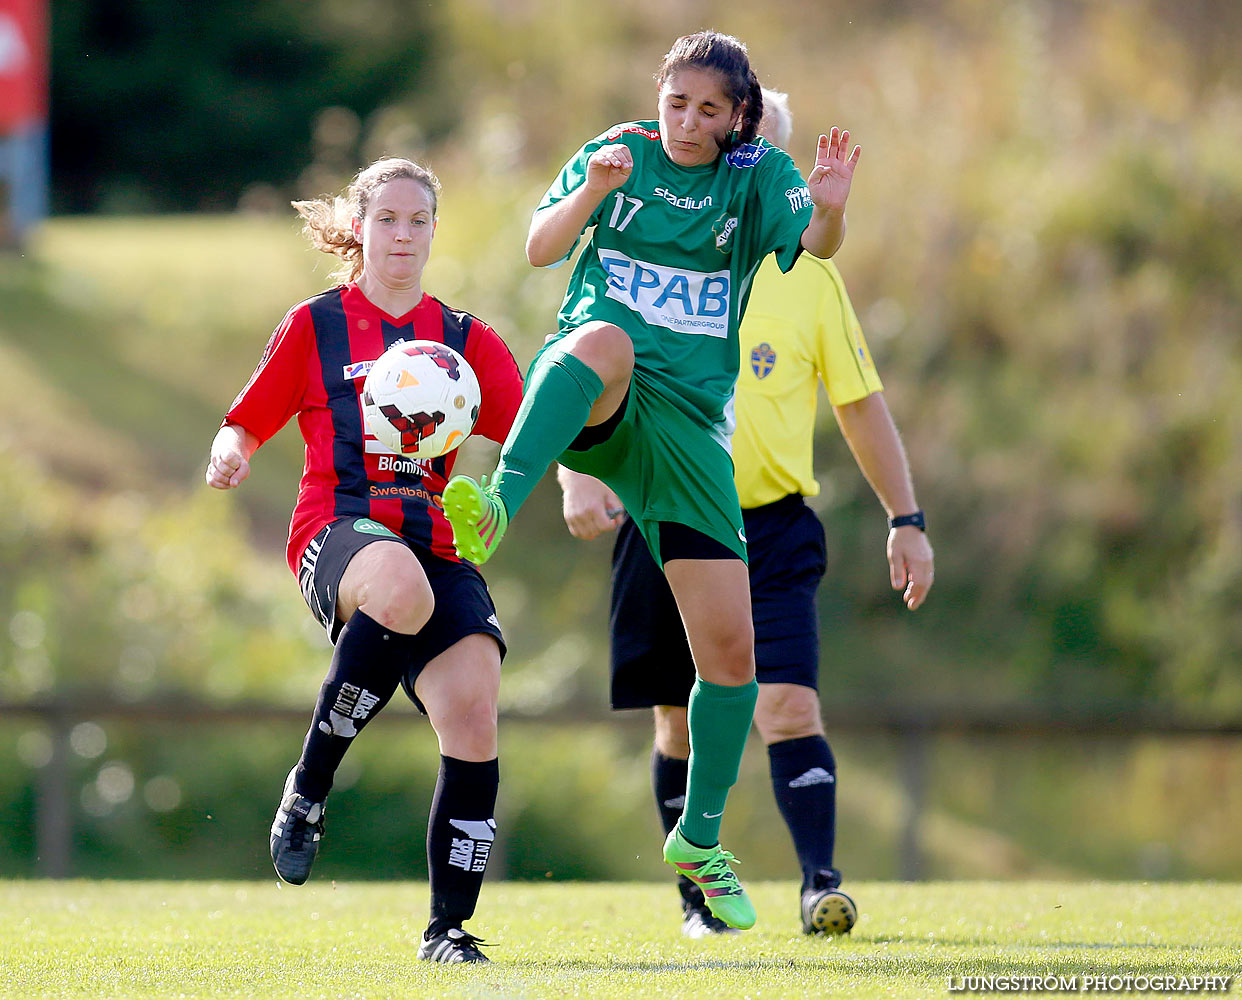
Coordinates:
[665,465]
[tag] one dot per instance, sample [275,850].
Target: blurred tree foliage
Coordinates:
[123,597]
[1043,253]
[159,107]
[168,108]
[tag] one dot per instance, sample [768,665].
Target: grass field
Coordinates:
[259,939]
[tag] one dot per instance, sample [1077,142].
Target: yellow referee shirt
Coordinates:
[799,328]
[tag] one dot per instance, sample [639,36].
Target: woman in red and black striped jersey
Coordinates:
[368,540]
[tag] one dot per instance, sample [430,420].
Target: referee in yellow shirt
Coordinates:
[800,328]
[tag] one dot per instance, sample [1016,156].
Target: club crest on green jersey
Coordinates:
[724,228]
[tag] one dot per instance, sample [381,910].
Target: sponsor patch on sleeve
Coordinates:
[747,155]
[616,132]
[799,198]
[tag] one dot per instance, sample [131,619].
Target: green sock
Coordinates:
[555,405]
[719,719]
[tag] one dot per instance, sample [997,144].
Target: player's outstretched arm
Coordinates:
[590,507]
[554,229]
[829,184]
[229,463]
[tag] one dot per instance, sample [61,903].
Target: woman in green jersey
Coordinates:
[636,386]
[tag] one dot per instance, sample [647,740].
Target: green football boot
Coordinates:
[478,518]
[708,868]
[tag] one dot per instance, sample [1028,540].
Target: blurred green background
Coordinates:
[1043,250]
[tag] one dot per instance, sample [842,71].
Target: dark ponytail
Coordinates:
[723,54]
[752,113]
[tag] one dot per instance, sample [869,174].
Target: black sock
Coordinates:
[668,782]
[804,778]
[366,668]
[460,832]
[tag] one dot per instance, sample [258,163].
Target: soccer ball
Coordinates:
[420,399]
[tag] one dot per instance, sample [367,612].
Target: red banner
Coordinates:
[23,64]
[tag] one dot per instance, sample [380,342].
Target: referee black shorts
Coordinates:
[651,663]
[463,605]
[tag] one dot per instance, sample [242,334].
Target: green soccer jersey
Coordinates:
[672,256]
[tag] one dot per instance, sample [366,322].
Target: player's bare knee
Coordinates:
[468,721]
[387,582]
[734,658]
[787,712]
[672,731]
[606,348]
[778,730]
[403,603]
[729,671]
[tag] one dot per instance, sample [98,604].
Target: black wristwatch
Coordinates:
[916,519]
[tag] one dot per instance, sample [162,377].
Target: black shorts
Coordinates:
[651,663]
[463,605]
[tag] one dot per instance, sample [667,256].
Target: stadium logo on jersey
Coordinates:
[686,202]
[762,360]
[358,369]
[723,228]
[678,299]
[747,155]
[617,130]
[799,198]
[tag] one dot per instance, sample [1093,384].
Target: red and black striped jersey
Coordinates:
[314,367]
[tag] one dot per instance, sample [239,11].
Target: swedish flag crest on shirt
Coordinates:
[762,360]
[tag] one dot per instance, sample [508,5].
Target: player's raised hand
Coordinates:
[830,178]
[609,167]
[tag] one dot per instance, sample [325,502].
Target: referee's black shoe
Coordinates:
[295,834]
[825,908]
